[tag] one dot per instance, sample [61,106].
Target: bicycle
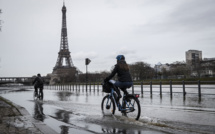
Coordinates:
[130,103]
[38,96]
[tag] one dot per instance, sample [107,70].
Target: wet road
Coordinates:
[80,112]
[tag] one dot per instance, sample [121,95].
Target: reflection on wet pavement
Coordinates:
[62,115]
[64,129]
[64,96]
[38,110]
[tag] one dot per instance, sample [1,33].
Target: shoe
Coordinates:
[124,113]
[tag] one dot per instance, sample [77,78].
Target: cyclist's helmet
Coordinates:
[120,57]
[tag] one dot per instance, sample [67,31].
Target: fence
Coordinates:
[168,87]
[76,86]
[184,87]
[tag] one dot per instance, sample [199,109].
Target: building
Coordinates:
[208,67]
[209,59]
[195,66]
[159,67]
[193,57]
[200,67]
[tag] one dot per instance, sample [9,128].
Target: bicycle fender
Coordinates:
[131,95]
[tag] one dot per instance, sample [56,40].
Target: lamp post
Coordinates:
[87,62]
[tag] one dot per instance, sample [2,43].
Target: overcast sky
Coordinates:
[151,31]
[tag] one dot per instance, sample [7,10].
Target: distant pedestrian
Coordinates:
[123,74]
[38,83]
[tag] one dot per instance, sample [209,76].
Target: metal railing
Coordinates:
[159,87]
[184,87]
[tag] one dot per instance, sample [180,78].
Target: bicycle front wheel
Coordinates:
[131,107]
[108,105]
[34,96]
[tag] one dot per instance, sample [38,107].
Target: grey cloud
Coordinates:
[81,55]
[150,30]
[188,16]
[194,15]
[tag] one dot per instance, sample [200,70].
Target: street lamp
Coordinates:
[87,62]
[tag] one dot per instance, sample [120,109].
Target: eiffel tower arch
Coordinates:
[64,70]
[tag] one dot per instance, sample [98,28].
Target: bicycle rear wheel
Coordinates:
[40,95]
[108,105]
[131,107]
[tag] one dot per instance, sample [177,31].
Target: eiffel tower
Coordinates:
[63,72]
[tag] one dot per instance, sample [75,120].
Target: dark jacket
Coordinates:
[123,76]
[38,82]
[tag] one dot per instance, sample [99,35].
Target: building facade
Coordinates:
[193,57]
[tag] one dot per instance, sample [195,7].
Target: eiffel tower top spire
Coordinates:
[64,52]
[64,7]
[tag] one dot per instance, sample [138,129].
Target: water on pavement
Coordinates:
[80,112]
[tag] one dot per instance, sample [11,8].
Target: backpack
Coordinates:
[39,81]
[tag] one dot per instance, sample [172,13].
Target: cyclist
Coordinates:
[123,74]
[38,83]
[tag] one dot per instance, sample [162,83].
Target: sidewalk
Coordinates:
[16,120]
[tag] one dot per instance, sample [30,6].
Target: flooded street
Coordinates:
[80,112]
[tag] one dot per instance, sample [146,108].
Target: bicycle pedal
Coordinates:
[129,110]
[108,107]
[132,110]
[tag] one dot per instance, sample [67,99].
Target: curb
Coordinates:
[27,122]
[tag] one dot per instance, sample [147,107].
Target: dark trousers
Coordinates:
[123,86]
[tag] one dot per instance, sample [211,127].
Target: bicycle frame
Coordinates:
[119,105]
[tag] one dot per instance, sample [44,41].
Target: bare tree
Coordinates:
[165,73]
[179,69]
[141,71]
[94,76]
